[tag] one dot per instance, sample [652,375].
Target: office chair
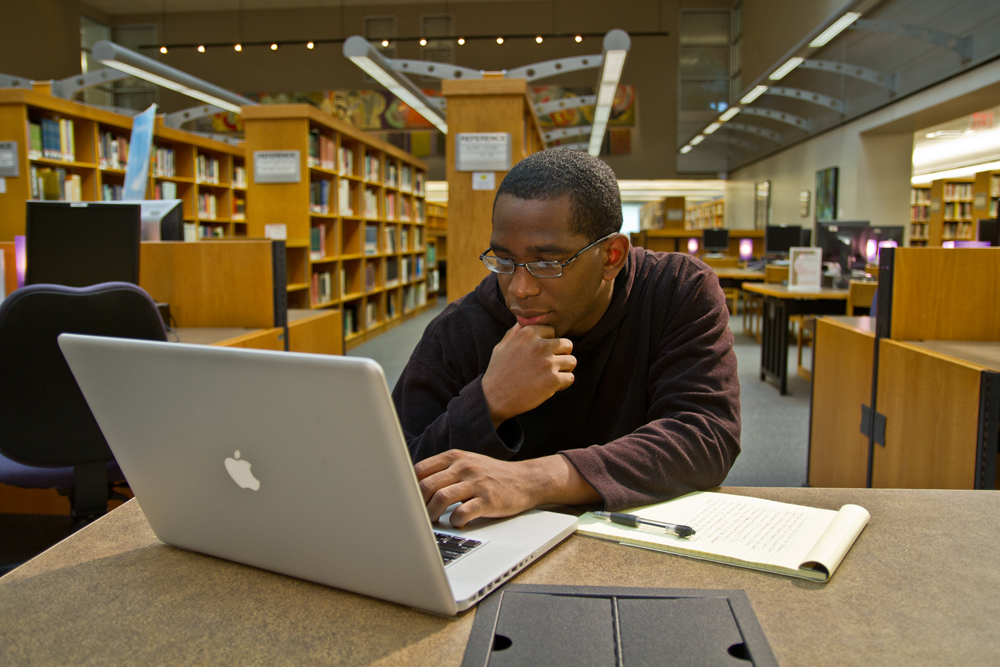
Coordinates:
[50,438]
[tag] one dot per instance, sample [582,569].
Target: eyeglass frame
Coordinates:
[527,265]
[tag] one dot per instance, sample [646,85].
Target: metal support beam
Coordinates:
[178,118]
[808,96]
[70,86]
[433,69]
[8,81]
[755,130]
[549,68]
[565,103]
[438,102]
[780,116]
[562,133]
[875,77]
[734,141]
[960,45]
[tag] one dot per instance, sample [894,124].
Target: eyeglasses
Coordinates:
[537,269]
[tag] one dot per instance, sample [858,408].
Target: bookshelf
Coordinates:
[437,244]
[986,196]
[950,212]
[667,213]
[85,160]
[355,222]
[920,208]
[707,215]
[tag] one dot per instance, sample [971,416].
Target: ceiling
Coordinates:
[113,7]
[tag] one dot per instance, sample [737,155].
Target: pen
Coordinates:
[634,521]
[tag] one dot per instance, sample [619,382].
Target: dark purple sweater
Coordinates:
[654,409]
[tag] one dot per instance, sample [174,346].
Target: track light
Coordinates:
[163,49]
[578,38]
[461,41]
[423,42]
[274,47]
[538,39]
[238,47]
[499,40]
[201,48]
[385,43]
[310,45]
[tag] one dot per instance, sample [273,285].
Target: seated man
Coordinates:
[580,370]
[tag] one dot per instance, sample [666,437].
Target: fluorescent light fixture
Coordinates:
[730,112]
[685,150]
[142,67]
[616,46]
[960,172]
[364,55]
[780,73]
[753,94]
[712,128]
[835,29]
[697,140]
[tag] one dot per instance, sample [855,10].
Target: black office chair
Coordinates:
[49,438]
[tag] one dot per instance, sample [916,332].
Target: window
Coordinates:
[440,48]
[380,29]
[134,93]
[705,60]
[91,32]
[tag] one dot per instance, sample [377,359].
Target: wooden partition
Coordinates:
[212,283]
[9,267]
[484,105]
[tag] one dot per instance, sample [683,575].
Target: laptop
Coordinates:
[294,463]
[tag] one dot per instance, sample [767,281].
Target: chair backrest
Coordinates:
[775,274]
[859,295]
[46,420]
[722,262]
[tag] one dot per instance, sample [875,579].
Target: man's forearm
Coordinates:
[556,481]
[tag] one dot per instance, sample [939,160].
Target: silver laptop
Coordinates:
[294,463]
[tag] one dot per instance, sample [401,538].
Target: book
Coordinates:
[317,242]
[371,240]
[791,540]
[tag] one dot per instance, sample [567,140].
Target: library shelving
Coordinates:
[437,244]
[71,151]
[920,211]
[354,222]
[706,215]
[986,198]
[950,216]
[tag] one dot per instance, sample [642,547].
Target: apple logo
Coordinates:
[240,472]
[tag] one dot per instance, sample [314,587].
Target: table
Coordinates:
[919,587]
[779,303]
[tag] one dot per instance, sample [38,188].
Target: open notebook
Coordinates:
[759,534]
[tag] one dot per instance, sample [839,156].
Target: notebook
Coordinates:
[294,463]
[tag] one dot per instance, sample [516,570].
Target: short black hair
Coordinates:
[589,183]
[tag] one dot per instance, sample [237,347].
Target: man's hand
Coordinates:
[527,367]
[488,487]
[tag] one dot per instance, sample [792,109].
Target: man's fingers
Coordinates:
[565,362]
[447,496]
[562,346]
[433,464]
[543,330]
[467,511]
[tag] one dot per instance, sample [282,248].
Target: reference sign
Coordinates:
[277,166]
[482,151]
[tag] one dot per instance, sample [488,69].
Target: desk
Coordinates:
[779,303]
[918,588]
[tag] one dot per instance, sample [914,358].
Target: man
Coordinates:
[580,370]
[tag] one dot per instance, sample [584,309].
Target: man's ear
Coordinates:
[616,253]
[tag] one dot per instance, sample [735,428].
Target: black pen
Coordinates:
[634,521]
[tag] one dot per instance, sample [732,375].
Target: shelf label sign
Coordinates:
[277,166]
[8,159]
[482,151]
[140,149]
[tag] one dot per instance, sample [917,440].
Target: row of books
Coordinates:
[920,213]
[413,296]
[112,151]
[53,139]
[390,205]
[239,207]
[207,169]
[957,210]
[957,191]
[207,232]
[345,161]
[350,320]
[433,281]
[921,196]
[431,255]
[239,177]
[163,162]
[919,230]
[371,204]
[344,198]
[164,190]
[322,288]
[995,185]
[55,184]
[321,150]
[317,242]
[111,192]
[319,197]
[371,239]
[391,272]
[371,314]
[372,168]
[392,175]
[957,230]
[207,206]
[370,284]
[994,208]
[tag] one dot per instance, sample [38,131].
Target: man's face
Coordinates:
[539,230]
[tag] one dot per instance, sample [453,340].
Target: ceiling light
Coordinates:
[201,49]
[697,140]
[712,128]
[310,45]
[834,30]
[461,41]
[364,55]
[962,172]
[753,94]
[499,40]
[385,42]
[615,48]
[238,47]
[423,42]
[732,111]
[163,49]
[685,150]
[538,40]
[274,47]
[140,66]
[780,73]
[578,38]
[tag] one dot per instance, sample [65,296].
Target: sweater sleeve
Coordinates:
[691,437]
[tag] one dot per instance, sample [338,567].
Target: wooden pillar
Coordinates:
[484,105]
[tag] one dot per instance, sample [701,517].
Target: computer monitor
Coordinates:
[779,238]
[805,240]
[844,242]
[715,240]
[162,219]
[989,230]
[82,243]
[881,237]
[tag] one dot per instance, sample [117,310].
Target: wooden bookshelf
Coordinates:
[667,213]
[950,216]
[100,176]
[986,196]
[437,245]
[920,210]
[355,221]
[706,215]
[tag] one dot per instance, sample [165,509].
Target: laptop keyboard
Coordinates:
[452,546]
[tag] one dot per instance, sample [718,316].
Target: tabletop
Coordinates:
[783,292]
[919,587]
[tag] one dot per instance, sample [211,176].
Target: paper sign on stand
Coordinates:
[805,268]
